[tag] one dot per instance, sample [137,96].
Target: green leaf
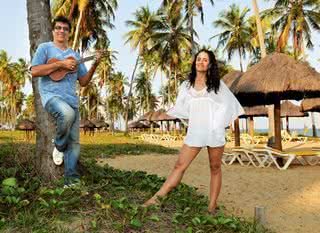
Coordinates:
[11,182]
[196,221]
[136,223]
[154,218]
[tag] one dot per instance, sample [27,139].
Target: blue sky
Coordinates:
[15,38]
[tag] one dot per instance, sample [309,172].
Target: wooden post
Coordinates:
[236,133]
[277,118]
[251,126]
[260,215]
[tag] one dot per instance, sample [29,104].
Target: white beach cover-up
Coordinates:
[208,114]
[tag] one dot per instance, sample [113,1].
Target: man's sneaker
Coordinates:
[74,185]
[57,157]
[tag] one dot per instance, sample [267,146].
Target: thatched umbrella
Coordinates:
[151,116]
[138,125]
[311,105]
[288,109]
[255,111]
[229,79]
[87,125]
[28,126]
[99,123]
[277,77]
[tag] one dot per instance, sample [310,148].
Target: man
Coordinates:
[59,98]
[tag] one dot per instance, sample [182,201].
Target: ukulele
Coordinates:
[59,74]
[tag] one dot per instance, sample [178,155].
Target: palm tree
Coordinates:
[296,18]
[145,98]
[82,5]
[115,95]
[105,67]
[235,36]
[13,76]
[39,23]
[172,40]
[262,49]
[143,25]
[91,96]
[29,111]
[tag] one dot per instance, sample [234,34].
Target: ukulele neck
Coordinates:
[85,59]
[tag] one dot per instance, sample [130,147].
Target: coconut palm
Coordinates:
[172,40]
[143,26]
[145,98]
[296,18]
[105,67]
[115,95]
[191,9]
[235,36]
[13,76]
[91,98]
[29,111]
[39,23]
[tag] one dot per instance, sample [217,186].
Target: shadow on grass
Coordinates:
[111,150]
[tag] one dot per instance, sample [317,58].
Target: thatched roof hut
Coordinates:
[288,109]
[85,123]
[310,105]
[165,117]
[99,123]
[277,77]
[138,125]
[26,124]
[152,115]
[255,111]
[230,79]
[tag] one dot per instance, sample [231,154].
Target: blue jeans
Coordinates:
[67,135]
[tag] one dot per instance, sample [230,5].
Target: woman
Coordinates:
[210,107]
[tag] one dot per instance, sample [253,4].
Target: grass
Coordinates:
[109,200]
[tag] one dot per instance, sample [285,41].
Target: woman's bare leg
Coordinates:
[186,156]
[215,155]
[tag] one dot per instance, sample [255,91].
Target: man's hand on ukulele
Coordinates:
[69,64]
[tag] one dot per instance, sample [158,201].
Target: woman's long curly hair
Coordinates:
[213,78]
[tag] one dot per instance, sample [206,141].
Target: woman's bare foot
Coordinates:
[152,201]
[213,211]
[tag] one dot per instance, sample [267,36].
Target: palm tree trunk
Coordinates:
[263,54]
[39,23]
[76,34]
[175,82]
[277,118]
[259,28]
[240,56]
[73,5]
[314,129]
[190,28]
[169,92]
[236,133]
[129,96]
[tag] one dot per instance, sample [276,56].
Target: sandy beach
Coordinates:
[291,197]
